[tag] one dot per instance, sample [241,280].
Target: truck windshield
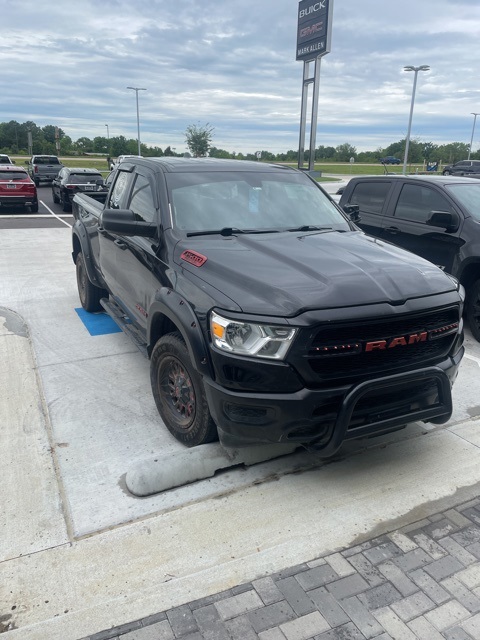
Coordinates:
[468,195]
[250,201]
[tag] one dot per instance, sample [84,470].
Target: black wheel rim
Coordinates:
[177,392]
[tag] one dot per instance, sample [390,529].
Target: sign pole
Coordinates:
[313,42]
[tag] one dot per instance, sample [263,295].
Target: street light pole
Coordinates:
[473,130]
[108,142]
[137,89]
[423,67]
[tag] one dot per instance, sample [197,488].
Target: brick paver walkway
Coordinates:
[422,581]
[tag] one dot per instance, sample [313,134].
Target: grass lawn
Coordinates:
[74,161]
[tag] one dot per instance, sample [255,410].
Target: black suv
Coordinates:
[462,168]
[75,180]
[435,217]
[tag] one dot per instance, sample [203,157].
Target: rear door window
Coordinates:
[370,196]
[119,190]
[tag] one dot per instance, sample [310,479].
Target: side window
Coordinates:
[416,203]
[118,191]
[370,196]
[141,200]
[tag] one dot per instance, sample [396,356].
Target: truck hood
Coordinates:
[285,274]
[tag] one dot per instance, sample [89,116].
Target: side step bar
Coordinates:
[124,322]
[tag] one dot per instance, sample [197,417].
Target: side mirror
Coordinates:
[353,212]
[450,221]
[122,222]
[27,161]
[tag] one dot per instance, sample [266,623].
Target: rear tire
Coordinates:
[179,393]
[66,206]
[56,199]
[446,173]
[89,294]
[34,207]
[472,309]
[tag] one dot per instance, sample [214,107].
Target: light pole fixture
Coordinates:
[473,130]
[137,89]
[423,67]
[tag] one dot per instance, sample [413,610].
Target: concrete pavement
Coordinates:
[246,546]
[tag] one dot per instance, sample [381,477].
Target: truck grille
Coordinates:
[351,351]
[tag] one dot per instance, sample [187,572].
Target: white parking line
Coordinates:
[54,214]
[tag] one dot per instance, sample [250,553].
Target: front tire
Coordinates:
[179,393]
[472,309]
[446,173]
[89,294]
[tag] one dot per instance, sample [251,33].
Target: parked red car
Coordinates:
[17,188]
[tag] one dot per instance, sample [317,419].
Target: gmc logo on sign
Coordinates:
[308,31]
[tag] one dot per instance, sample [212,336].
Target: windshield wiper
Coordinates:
[311,227]
[229,231]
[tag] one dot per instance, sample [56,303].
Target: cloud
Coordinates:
[233,65]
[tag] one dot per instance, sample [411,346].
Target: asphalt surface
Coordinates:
[50,215]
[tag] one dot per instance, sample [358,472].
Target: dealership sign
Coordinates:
[314,28]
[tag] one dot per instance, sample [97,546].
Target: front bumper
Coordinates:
[322,419]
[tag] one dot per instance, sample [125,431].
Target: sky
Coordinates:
[232,64]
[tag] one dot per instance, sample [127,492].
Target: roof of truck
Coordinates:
[173,164]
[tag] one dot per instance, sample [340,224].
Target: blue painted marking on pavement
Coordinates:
[97,324]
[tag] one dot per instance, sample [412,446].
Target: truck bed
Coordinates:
[89,206]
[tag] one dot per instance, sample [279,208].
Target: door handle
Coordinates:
[392,230]
[120,244]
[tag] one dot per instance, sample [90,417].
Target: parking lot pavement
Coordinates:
[81,554]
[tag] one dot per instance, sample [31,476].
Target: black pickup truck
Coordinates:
[435,217]
[267,315]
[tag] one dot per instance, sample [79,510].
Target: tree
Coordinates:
[344,152]
[219,153]
[453,152]
[199,139]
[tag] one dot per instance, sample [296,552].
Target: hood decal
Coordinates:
[193,257]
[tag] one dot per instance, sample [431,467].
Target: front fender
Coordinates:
[176,309]
[81,243]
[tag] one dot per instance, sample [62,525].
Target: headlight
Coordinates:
[248,339]
[460,288]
